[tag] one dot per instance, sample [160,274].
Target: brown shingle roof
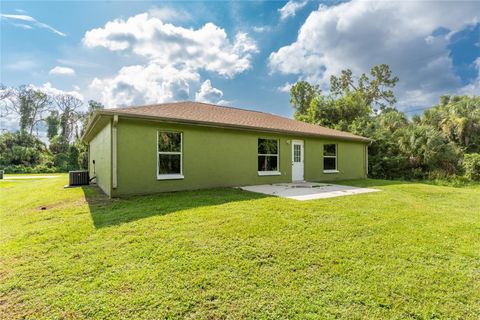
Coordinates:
[209,114]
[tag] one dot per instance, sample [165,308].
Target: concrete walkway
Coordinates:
[307,190]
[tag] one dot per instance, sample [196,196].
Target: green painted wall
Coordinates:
[350,160]
[100,150]
[214,157]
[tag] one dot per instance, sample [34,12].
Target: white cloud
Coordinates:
[261,29]
[205,48]
[473,88]
[169,14]
[62,71]
[50,89]
[291,8]
[285,88]
[174,57]
[361,34]
[31,20]
[23,26]
[208,94]
[134,85]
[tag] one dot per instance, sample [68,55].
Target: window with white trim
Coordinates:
[268,161]
[330,158]
[169,149]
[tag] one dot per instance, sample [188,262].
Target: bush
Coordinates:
[471,164]
[20,148]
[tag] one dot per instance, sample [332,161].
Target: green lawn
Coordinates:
[410,251]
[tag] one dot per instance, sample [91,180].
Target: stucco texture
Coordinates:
[212,157]
[100,150]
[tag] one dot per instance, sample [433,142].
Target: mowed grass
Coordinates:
[409,251]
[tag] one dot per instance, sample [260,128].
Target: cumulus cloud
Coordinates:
[174,57]
[473,88]
[62,71]
[206,48]
[134,85]
[169,14]
[208,94]
[15,18]
[291,8]
[285,88]
[50,89]
[361,34]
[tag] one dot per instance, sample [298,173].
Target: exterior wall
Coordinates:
[351,160]
[100,150]
[211,158]
[214,157]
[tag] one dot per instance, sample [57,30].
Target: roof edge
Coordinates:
[99,113]
[91,125]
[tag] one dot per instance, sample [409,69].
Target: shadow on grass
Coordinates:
[107,212]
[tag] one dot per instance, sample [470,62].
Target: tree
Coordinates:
[301,95]
[472,166]
[20,148]
[73,154]
[427,149]
[6,95]
[85,117]
[337,113]
[59,149]
[458,118]
[431,144]
[53,123]
[30,105]
[376,89]
[385,159]
[391,119]
[68,107]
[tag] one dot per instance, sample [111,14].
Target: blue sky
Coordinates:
[243,54]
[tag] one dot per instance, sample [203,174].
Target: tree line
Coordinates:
[63,117]
[441,143]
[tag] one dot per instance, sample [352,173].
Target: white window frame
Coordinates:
[270,173]
[330,157]
[171,176]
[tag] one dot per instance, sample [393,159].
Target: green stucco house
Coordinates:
[191,145]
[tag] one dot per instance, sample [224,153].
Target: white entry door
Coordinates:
[297,160]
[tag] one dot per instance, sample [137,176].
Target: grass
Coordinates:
[411,251]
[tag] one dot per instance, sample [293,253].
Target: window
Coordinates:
[297,156]
[169,149]
[329,158]
[267,156]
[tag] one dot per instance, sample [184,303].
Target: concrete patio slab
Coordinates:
[307,190]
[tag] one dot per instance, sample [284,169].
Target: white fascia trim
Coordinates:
[114,152]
